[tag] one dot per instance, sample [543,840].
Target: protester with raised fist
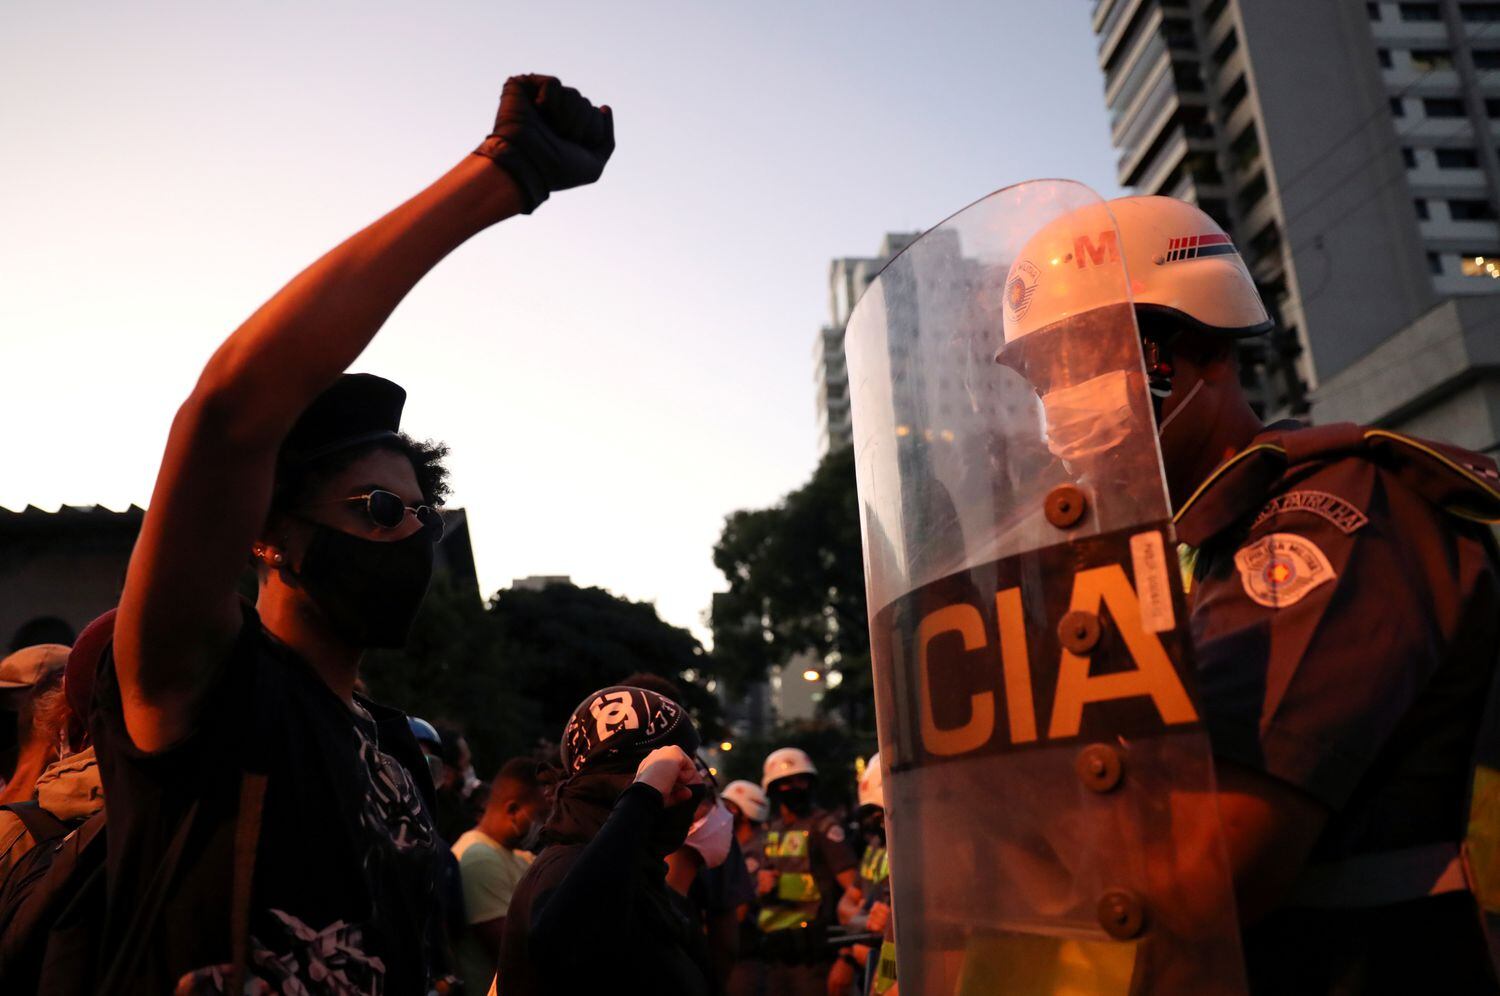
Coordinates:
[268,826]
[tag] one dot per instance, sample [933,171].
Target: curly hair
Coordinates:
[295,482]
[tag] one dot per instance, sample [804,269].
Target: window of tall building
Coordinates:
[1226,48]
[1487,58]
[1435,264]
[1491,107]
[1480,264]
[1265,241]
[1479,11]
[1457,159]
[1179,33]
[1234,95]
[1373,11]
[1216,209]
[1383,56]
[1421,205]
[1251,194]
[1409,156]
[1245,147]
[1186,77]
[1419,11]
[1398,107]
[1212,11]
[1442,107]
[1429,59]
[1471,209]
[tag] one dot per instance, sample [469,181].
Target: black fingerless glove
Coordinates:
[548,137]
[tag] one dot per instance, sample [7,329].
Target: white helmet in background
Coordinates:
[872,784]
[749,799]
[784,763]
[1178,260]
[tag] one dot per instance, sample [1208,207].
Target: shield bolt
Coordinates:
[1065,505]
[1122,914]
[1079,632]
[1100,767]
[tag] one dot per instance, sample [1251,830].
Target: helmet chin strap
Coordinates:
[1162,426]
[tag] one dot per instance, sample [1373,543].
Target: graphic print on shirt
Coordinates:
[332,961]
[393,806]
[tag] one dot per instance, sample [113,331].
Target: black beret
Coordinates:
[357,409]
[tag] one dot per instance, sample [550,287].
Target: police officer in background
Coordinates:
[748,804]
[867,908]
[1345,611]
[807,870]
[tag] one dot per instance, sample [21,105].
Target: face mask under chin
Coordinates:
[369,591]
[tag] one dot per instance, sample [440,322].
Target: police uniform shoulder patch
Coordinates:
[1344,516]
[834,832]
[1280,569]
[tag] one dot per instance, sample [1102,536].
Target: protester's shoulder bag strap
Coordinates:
[40,824]
[246,842]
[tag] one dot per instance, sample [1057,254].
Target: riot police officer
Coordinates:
[807,869]
[1345,614]
[867,908]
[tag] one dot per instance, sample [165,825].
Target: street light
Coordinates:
[726,745]
[811,674]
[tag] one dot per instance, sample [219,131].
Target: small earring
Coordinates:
[277,558]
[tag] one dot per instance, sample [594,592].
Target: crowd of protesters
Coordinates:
[669,879]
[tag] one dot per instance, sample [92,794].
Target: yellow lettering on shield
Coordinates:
[1016,666]
[964,620]
[1153,674]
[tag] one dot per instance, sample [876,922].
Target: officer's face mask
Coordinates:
[369,591]
[710,835]
[795,798]
[1087,419]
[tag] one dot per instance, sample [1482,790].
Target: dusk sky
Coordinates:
[616,373]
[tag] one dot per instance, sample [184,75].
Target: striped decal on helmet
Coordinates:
[1195,246]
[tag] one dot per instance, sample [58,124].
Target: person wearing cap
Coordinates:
[594,912]
[66,791]
[1345,612]
[748,804]
[27,676]
[808,869]
[269,826]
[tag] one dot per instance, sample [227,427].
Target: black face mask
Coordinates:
[368,590]
[798,800]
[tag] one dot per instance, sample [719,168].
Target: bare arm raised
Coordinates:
[178,614]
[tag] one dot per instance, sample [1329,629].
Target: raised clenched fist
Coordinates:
[548,137]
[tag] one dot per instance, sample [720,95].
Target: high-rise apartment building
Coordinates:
[847,280]
[1350,148]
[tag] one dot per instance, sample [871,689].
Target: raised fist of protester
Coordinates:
[548,137]
[671,772]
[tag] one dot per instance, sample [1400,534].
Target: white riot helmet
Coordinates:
[784,763]
[872,784]
[1178,260]
[749,799]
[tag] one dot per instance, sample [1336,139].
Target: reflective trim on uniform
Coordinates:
[885,969]
[772,918]
[876,866]
[1482,843]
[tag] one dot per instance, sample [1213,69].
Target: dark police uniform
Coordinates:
[807,854]
[1345,607]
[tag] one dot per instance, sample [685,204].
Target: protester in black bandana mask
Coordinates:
[594,914]
[269,828]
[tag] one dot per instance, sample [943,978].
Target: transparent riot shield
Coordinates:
[1048,782]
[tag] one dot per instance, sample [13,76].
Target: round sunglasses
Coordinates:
[388,510]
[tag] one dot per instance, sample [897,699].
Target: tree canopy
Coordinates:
[797,584]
